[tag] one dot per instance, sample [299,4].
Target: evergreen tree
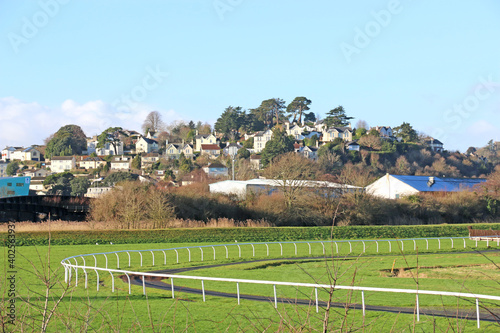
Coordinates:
[337,117]
[297,107]
[279,144]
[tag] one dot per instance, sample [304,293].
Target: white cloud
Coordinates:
[25,124]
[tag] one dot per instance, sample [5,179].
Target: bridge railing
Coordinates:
[72,265]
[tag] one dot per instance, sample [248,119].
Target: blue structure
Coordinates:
[14,186]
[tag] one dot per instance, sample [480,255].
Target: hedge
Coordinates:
[229,235]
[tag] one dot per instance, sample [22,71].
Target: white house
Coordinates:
[385,131]
[395,186]
[121,163]
[311,152]
[204,139]
[435,145]
[95,192]
[260,139]
[353,145]
[62,163]
[344,133]
[7,151]
[21,154]
[91,162]
[145,145]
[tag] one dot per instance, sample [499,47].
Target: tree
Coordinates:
[337,117]
[406,132]
[60,183]
[230,120]
[309,117]
[136,162]
[279,144]
[12,168]
[68,140]
[289,172]
[111,136]
[153,122]
[297,107]
[270,109]
[79,186]
[243,153]
[117,177]
[362,124]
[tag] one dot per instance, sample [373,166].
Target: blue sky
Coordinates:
[434,64]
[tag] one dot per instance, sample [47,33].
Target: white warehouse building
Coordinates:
[240,188]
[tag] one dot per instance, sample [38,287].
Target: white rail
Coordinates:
[69,267]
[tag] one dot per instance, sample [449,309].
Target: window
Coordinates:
[9,184]
[19,184]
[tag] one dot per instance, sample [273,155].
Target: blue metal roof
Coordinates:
[421,183]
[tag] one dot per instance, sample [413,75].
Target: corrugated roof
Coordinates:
[421,183]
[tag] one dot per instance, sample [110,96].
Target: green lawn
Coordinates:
[105,311]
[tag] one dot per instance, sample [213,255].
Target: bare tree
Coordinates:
[362,124]
[153,122]
[290,171]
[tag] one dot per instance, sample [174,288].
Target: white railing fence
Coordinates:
[70,267]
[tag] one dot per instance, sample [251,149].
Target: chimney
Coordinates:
[431,181]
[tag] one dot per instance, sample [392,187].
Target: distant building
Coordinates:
[395,186]
[260,139]
[3,168]
[62,163]
[214,170]
[435,145]
[14,186]
[145,145]
[240,188]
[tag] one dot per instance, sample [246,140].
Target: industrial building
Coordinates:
[14,186]
[241,188]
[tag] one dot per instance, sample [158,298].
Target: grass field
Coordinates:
[86,309]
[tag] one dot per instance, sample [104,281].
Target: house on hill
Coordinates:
[260,139]
[434,144]
[395,186]
[145,145]
[62,163]
[214,170]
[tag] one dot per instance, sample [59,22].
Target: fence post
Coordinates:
[238,291]
[106,260]
[213,248]
[95,261]
[377,245]
[239,250]
[439,242]
[76,273]
[95,270]
[141,257]
[117,260]
[477,313]
[128,278]
[203,289]
[84,262]
[177,255]
[402,246]
[317,303]
[189,254]
[112,282]
[172,285]
[308,244]
[295,248]
[253,250]
[275,298]
[418,309]
[128,259]
[427,243]
[153,256]
[364,248]
[350,247]
[363,301]
[164,257]
[267,248]
[390,250]
[65,274]
[464,243]
[227,252]
[143,285]
[337,247]
[323,248]
[281,247]
[85,272]
[451,242]
[414,245]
